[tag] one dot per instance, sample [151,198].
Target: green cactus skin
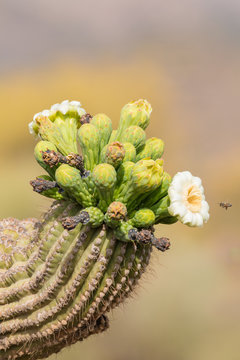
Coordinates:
[134,135]
[104,126]
[58,281]
[153,149]
[39,149]
[89,140]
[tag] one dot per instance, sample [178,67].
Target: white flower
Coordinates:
[67,105]
[30,127]
[45,113]
[33,124]
[63,108]
[187,200]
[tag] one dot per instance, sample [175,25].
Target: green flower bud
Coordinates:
[159,193]
[122,231]
[116,212]
[88,136]
[123,177]
[38,152]
[134,113]
[104,177]
[62,134]
[153,149]
[146,175]
[143,218]
[130,152]
[69,179]
[114,154]
[104,126]
[96,216]
[134,135]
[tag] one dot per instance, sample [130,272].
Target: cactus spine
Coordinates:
[60,276]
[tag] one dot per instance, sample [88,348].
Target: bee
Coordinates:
[225,205]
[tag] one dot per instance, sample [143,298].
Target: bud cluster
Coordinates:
[119,172]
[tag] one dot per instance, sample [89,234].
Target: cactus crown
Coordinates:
[114,166]
[103,179]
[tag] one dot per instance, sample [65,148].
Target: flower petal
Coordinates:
[177,209]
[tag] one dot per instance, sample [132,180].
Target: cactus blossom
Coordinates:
[61,275]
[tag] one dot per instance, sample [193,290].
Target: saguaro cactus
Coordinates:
[59,276]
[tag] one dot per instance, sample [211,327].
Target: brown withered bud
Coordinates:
[85,119]
[76,161]
[51,158]
[117,210]
[144,236]
[71,222]
[39,185]
[161,244]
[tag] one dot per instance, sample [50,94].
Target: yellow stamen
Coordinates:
[194,198]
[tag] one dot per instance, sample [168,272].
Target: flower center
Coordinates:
[194,198]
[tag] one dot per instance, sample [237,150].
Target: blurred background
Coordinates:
[183,56]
